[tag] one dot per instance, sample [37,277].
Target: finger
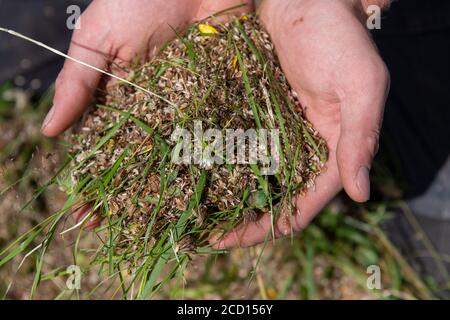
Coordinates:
[361,118]
[94,221]
[307,206]
[76,83]
[82,212]
[210,7]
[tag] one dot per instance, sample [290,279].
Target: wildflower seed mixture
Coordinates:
[227,77]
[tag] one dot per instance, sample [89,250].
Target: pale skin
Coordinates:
[324,49]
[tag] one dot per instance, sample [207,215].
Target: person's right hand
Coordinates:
[118,31]
[332,63]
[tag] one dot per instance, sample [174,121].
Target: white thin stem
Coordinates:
[40,44]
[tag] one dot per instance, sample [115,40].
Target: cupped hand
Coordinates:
[115,32]
[332,63]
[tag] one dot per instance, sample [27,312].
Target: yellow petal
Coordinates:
[272,294]
[207,29]
[110,145]
[243,18]
[235,60]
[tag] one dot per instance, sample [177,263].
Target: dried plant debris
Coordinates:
[226,78]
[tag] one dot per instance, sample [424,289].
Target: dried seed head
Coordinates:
[217,79]
[186,245]
[250,215]
[207,29]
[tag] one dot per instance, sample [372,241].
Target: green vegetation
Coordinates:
[165,256]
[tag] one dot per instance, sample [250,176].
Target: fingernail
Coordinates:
[215,241]
[48,118]
[363,182]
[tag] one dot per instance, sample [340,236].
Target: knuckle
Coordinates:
[59,81]
[77,35]
[59,85]
[373,141]
[290,219]
[381,72]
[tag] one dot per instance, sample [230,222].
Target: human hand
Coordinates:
[116,32]
[334,66]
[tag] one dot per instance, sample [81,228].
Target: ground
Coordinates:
[329,260]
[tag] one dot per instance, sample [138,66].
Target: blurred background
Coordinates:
[403,230]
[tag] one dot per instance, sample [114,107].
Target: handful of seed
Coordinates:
[222,140]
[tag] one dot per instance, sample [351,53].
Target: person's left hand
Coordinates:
[332,63]
[117,32]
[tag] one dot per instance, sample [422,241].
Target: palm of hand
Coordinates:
[115,32]
[331,62]
[326,53]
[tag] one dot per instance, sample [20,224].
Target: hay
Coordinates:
[225,77]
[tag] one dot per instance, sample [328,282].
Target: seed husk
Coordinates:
[226,76]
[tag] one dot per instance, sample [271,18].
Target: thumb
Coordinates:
[361,118]
[76,83]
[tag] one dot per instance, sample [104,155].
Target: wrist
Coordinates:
[383,4]
[278,12]
[209,7]
[364,5]
[363,8]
